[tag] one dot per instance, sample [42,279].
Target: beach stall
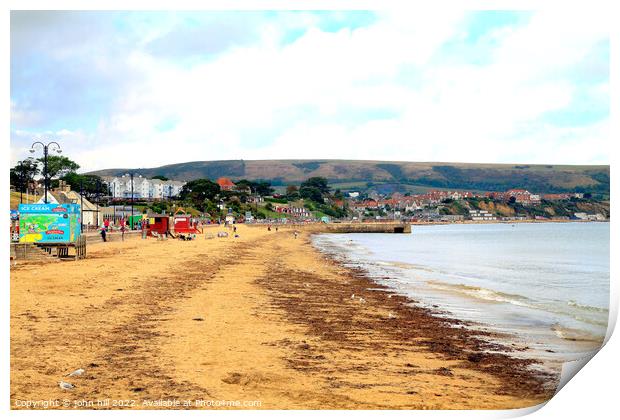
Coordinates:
[133,221]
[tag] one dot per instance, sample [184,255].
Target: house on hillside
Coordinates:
[225,184]
[91,213]
[522,196]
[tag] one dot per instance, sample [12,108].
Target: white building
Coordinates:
[143,188]
[480,215]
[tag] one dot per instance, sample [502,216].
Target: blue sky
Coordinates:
[492,86]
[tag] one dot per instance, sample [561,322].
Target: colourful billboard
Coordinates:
[49,223]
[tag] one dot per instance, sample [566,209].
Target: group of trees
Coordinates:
[261,188]
[314,189]
[317,195]
[24,174]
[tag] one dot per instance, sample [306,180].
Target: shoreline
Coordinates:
[260,317]
[472,344]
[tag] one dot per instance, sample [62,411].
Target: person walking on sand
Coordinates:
[296,233]
[103,234]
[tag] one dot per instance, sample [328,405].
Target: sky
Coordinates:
[144,89]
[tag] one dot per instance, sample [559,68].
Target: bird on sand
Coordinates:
[65,385]
[76,372]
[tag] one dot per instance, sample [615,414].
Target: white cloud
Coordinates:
[304,99]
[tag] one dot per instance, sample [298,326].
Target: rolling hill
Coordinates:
[392,176]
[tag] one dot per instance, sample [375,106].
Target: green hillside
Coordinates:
[394,176]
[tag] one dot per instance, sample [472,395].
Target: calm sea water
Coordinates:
[544,286]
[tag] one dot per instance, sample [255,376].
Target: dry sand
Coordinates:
[263,317]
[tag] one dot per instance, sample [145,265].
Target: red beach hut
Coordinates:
[183,222]
[159,223]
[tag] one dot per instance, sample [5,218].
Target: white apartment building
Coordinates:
[144,188]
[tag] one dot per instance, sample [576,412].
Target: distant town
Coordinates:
[132,196]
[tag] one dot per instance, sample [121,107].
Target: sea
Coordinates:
[542,288]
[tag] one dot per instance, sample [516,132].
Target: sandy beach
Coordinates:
[264,320]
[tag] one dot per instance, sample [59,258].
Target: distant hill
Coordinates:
[392,176]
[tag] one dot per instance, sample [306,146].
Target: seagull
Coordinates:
[353,296]
[389,296]
[76,372]
[65,385]
[362,300]
[391,315]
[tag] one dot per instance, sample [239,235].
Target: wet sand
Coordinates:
[262,321]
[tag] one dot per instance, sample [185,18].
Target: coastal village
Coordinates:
[127,198]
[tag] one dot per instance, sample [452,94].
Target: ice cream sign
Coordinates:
[49,223]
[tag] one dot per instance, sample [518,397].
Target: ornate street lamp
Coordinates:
[46,148]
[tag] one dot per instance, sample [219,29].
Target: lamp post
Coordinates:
[46,148]
[97,187]
[22,176]
[112,192]
[81,205]
[131,175]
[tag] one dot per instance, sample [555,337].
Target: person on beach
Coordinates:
[103,234]
[106,224]
[296,233]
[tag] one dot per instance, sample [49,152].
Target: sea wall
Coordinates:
[365,227]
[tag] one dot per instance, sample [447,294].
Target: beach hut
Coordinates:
[182,222]
[158,223]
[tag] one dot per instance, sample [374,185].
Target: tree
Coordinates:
[23,173]
[292,192]
[58,166]
[199,190]
[317,182]
[311,193]
[163,178]
[263,188]
[314,189]
[90,185]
